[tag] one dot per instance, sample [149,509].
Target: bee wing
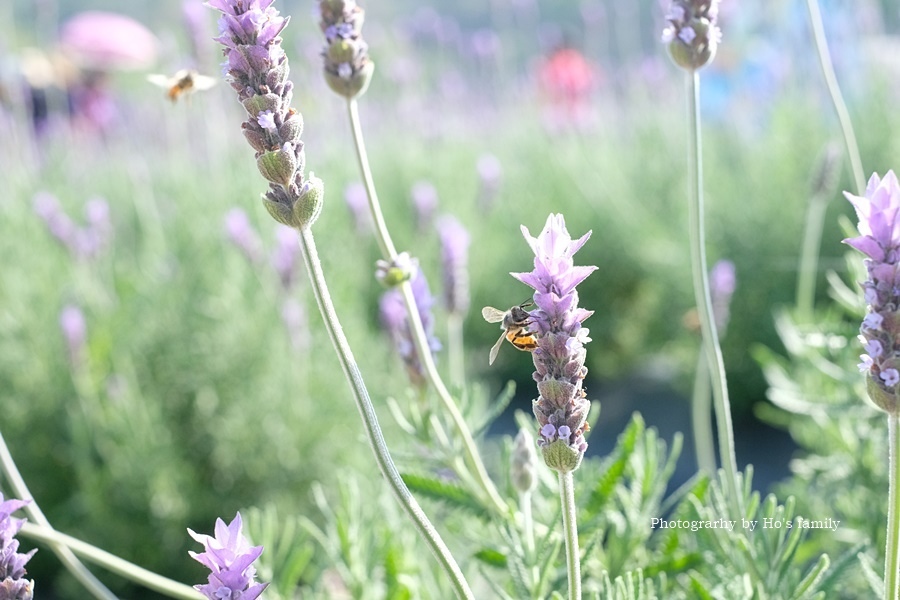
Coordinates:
[496,349]
[492,315]
[202,82]
[160,80]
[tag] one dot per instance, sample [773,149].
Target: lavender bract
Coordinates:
[13,585]
[229,557]
[561,408]
[879,228]
[257,69]
[692,33]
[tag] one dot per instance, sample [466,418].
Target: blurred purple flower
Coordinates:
[13,585]
[81,242]
[74,330]
[722,282]
[241,233]
[358,203]
[455,262]
[425,201]
[392,311]
[284,257]
[490,175]
[294,318]
[879,228]
[561,408]
[692,33]
[198,32]
[485,44]
[229,557]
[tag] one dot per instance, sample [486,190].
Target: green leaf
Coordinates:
[606,484]
[496,408]
[701,592]
[445,491]
[492,557]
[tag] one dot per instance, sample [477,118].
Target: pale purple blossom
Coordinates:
[878,212]
[425,201]
[13,585]
[266,120]
[285,256]
[358,203]
[229,558]
[722,282]
[74,330]
[561,408]
[392,311]
[490,176]
[242,234]
[455,261]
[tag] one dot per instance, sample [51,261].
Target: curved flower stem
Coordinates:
[892,552]
[370,419]
[702,298]
[834,90]
[701,423]
[573,560]
[34,512]
[809,256]
[117,565]
[420,339]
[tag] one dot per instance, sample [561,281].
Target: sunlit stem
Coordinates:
[702,297]
[420,339]
[809,256]
[573,560]
[892,551]
[370,420]
[113,563]
[834,90]
[34,512]
[701,418]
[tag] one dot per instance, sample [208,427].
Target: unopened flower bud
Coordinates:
[691,32]
[309,205]
[561,457]
[350,83]
[393,273]
[278,166]
[524,463]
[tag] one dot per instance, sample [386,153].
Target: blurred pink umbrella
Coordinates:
[106,41]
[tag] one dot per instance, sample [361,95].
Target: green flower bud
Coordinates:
[355,84]
[278,166]
[561,457]
[309,205]
[524,463]
[259,103]
[279,211]
[884,399]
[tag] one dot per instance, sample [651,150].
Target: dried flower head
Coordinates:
[229,557]
[348,69]
[879,239]
[13,585]
[257,69]
[692,33]
[561,408]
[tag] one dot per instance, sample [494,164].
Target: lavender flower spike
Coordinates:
[257,69]
[561,409]
[692,33]
[455,260]
[228,556]
[13,585]
[879,240]
[394,319]
[348,69]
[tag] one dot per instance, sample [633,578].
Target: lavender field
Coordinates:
[208,312]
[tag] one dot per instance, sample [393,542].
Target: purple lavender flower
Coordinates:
[13,585]
[455,260]
[561,408]
[691,32]
[879,239]
[722,281]
[228,556]
[294,318]
[81,242]
[241,233]
[490,174]
[348,69]
[393,318]
[257,69]
[74,329]
[358,203]
[425,201]
[284,257]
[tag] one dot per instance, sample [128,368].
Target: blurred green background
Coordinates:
[191,399]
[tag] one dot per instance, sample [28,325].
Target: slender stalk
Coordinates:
[701,421]
[122,567]
[892,552]
[370,419]
[34,512]
[573,560]
[528,533]
[702,297]
[834,90]
[809,256]
[420,339]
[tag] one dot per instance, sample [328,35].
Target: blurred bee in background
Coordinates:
[513,321]
[184,81]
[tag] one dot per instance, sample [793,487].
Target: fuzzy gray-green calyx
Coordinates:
[560,456]
[279,165]
[309,205]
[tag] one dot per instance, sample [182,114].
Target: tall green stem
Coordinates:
[702,296]
[455,349]
[420,339]
[573,560]
[701,422]
[834,90]
[809,256]
[148,579]
[370,419]
[34,512]
[892,552]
